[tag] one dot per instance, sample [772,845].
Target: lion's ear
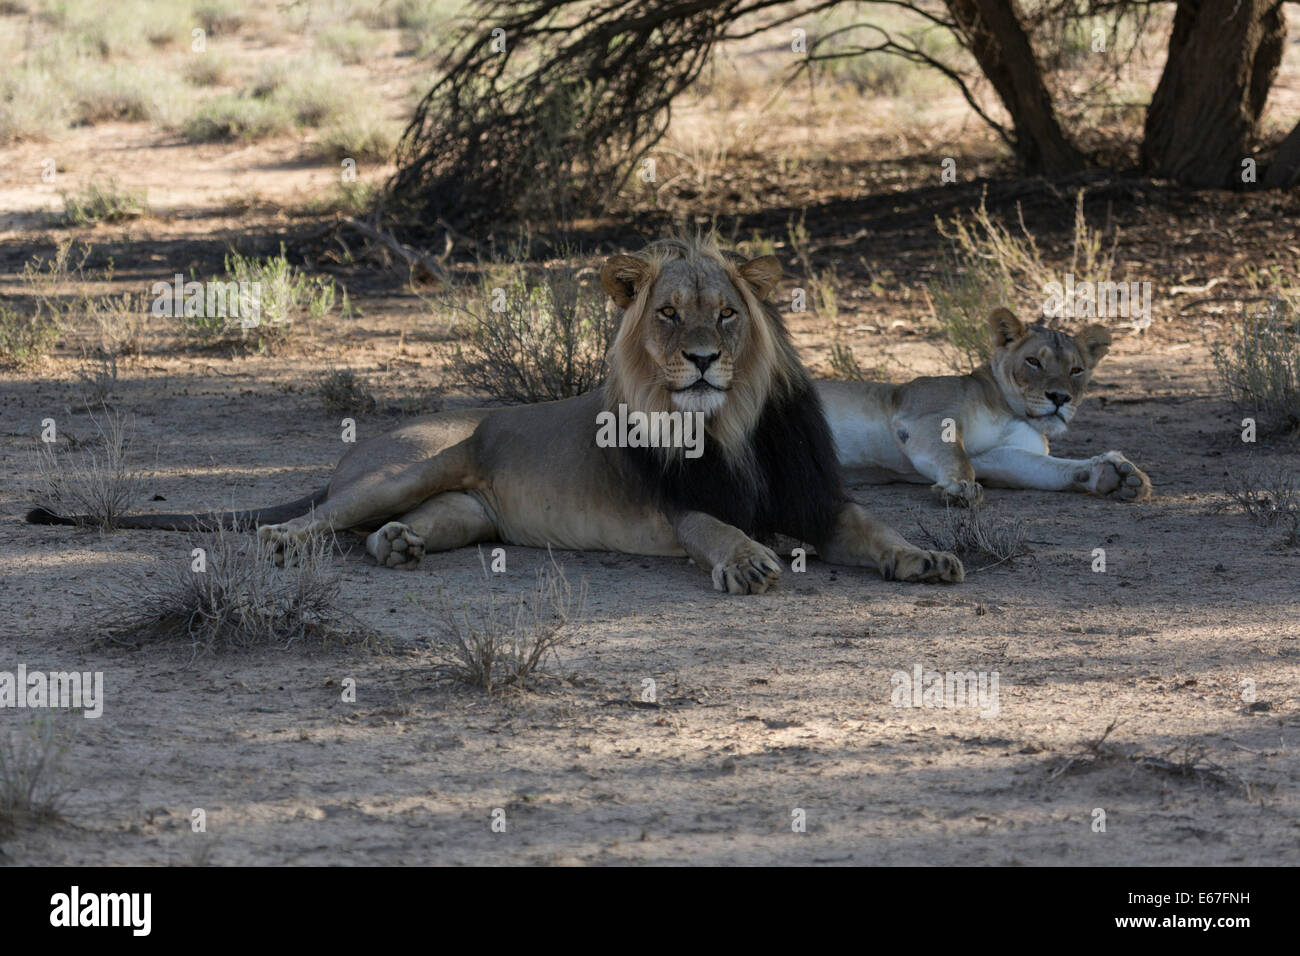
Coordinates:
[762,273]
[622,276]
[1005,327]
[1093,343]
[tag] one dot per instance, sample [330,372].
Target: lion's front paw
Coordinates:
[913,564]
[1114,476]
[963,494]
[750,569]
[395,545]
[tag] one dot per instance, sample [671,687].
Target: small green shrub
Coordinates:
[234,117]
[283,300]
[347,42]
[25,339]
[345,393]
[360,137]
[218,18]
[208,68]
[103,203]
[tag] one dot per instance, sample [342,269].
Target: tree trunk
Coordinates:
[993,34]
[1223,58]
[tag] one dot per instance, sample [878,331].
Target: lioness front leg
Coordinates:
[1109,475]
[861,540]
[935,448]
[738,564]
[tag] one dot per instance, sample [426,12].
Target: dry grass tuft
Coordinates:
[1259,366]
[974,534]
[103,203]
[1187,762]
[226,591]
[533,341]
[31,784]
[344,392]
[503,641]
[95,479]
[990,265]
[1271,499]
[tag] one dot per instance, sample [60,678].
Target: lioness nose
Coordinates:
[1060,398]
[702,360]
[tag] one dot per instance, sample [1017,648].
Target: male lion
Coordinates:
[991,425]
[695,337]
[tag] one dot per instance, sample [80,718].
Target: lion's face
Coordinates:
[1043,373]
[693,328]
[698,325]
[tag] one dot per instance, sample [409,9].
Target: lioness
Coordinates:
[695,337]
[990,426]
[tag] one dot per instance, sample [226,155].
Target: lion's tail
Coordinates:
[191,522]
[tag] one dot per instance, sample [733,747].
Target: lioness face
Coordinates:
[1042,372]
[696,324]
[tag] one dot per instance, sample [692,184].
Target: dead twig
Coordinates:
[422,267]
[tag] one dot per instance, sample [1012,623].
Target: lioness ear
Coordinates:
[762,273]
[1093,343]
[1006,328]
[622,276]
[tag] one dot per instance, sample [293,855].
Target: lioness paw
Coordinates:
[750,569]
[396,545]
[963,494]
[913,564]
[284,541]
[1114,476]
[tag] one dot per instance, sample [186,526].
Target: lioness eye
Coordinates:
[727,313]
[1076,371]
[1033,362]
[668,312]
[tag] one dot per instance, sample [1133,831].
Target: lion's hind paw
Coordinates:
[284,541]
[396,545]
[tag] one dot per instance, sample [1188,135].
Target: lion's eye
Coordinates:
[1076,371]
[1033,362]
[726,314]
[668,312]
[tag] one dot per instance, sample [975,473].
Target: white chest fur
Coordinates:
[983,431]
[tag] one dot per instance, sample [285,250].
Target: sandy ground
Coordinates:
[766,704]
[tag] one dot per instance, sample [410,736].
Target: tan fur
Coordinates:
[991,426]
[533,476]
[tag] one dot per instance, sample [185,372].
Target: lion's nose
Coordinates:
[1060,398]
[702,360]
